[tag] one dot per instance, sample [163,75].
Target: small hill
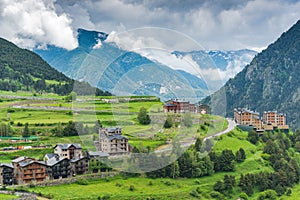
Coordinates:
[21,69]
[270,82]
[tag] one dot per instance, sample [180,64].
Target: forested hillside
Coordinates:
[21,69]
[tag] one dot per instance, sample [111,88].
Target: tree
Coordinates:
[240,155]
[71,97]
[26,132]
[219,186]
[187,119]
[198,144]
[143,116]
[169,122]
[252,137]
[97,126]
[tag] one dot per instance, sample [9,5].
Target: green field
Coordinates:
[7,196]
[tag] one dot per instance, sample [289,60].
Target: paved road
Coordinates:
[189,142]
[231,125]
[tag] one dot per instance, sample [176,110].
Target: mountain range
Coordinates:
[270,82]
[107,66]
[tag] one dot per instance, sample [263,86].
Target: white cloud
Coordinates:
[214,24]
[29,22]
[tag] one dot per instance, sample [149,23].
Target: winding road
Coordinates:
[231,125]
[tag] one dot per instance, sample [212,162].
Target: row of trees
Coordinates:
[193,163]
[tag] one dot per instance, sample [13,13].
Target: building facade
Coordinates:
[6,174]
[27,170]
[79,165]
[58,167]
[69,151]
[270,120]
[112,141]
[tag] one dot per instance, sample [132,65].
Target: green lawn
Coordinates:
[7,196]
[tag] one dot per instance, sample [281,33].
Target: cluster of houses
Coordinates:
[269,121]
[177,106]
[66,160]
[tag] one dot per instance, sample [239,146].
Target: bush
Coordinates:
[131,188]
[150,183]
[243,196]
[194,193]
[82,181]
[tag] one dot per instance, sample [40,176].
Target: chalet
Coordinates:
[6,174]
[79,165]
[69,151]
[58,167]
[112,141]
[28,170]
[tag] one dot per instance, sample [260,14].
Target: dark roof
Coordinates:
[170,105]
[116,136]
[6,165]
[98,154]
[77,159]
[66,146]
[113,129]
[54,160]
[28,162]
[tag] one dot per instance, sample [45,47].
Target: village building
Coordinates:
[69,151]
[176,106]
[27,170]
[58,167]
[271,119]
[6,174]
[79,165]
[112,141]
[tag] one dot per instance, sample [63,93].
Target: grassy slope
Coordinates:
[178,189]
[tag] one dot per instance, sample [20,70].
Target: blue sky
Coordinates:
[214,24]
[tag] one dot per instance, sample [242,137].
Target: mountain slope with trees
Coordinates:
[269,82]
[21,69]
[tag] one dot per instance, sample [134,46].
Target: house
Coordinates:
[243,116]
[177,106]
[203,109]
[6,174]
[69,151]
[98,161]
[112,141]
[27,170]
[58,167]
[79,165]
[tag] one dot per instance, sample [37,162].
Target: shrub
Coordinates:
[82,181]
[131,188]
[243,196]
[150,183]
[194,193]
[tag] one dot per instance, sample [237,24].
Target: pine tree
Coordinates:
[26,132]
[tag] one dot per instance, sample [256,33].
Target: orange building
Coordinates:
[247,117]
